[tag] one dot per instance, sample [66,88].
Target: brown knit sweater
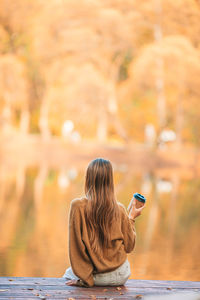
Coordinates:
[84,261]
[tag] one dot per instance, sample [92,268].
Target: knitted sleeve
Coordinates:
[128,231]
[80,262]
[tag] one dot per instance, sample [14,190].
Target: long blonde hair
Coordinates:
[102,206]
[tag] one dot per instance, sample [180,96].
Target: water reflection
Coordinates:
[34,204]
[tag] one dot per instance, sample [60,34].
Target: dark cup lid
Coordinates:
[139,197]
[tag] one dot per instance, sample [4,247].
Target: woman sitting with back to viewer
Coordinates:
[101,232]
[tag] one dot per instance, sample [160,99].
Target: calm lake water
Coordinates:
[34,206]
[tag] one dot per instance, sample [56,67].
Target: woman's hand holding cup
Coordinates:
[134,211]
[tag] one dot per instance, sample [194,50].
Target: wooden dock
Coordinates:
[55,288]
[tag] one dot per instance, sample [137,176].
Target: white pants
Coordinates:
[116,277]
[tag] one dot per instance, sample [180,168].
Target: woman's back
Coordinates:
[84,260]
[102,206]
[100,230]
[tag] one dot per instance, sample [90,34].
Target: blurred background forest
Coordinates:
[89,78]
[125,64]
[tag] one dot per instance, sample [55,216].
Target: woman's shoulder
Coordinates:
[122,207]
[78,202]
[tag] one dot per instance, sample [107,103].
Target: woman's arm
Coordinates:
[133,211]
[128,231]
[80,262]
[128,226]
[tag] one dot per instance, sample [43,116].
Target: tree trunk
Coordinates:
[179,122]
[20,182]
[43,122]
[113,112]
[159,82]
[6,119]
[102,126]
[24,121]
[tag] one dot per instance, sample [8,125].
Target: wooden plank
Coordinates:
[162,283]
[33,280]
[141,297]
[85,293]
[56,288]
[130,283]
[90,292]
[96,289]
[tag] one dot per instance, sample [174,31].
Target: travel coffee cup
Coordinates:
[140,201]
